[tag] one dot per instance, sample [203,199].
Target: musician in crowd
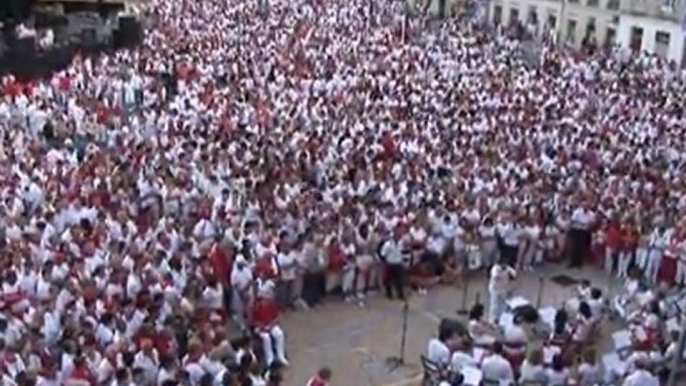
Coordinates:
[499,288]
[641,375]
[495,368]
[394,262]
[482,332]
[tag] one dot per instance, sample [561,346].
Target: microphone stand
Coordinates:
[396,362]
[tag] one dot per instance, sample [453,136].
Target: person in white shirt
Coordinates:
[241,281]
[462,359]
[656,248]
[640,376]
[287,261]
[509,234]
[589,373]
[496,369]
[557,374]
[392,255]
[438,350]
[498,289]
[489,244]
[584,324]
[482,333]
[148,360]
[678,241]
[580,235]
[532,370]
[532,251]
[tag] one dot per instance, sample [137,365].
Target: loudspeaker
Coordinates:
[129,33]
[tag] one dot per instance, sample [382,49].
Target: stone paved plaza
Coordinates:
[355,341]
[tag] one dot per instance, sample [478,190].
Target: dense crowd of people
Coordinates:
[254,156]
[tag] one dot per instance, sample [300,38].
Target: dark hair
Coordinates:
[596,293]
[585,310]
[477,312]
[324,373]
[560,321]
[558,364]
[275,377]
[121,374]
[246,362]
[206,380]
[445,334]
[497,348]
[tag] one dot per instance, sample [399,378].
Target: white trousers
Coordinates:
[680,277]
[496,306]
[348,280]
[653,264]
[624,260]
[641,257]
[273,342]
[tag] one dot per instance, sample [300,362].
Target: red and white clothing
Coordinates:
[317,381]
[265,316]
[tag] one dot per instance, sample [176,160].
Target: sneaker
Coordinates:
[360,295]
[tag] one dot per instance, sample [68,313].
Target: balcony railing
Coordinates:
[673,10]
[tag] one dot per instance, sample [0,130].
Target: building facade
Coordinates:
[655,26]
[573,21]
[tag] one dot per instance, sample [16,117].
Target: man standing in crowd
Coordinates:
[499,286]
[659,239]
[580,235]
[393,258]
[508,237]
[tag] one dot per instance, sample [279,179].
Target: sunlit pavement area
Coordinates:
[355,341]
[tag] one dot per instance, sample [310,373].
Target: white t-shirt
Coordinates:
[641,378]
[496,368]
[557,378]
[500,279]
[438,352]
[241,278]
[288,264]
[461,359]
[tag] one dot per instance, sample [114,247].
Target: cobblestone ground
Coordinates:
[356,341]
